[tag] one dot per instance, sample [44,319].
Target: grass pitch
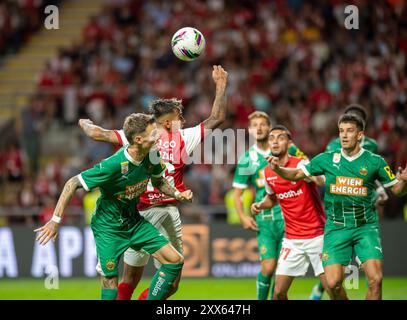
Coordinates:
[190,289]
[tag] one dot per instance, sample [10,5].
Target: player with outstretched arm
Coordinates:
[116,223]
[352,223]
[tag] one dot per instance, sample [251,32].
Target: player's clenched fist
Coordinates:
[273,161]
[83,122]
[185,196]
[255,208]
[219,75]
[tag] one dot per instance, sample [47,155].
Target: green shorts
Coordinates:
[341,243]
[269,237]
[111,243]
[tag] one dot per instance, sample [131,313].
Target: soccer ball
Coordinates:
[188,44]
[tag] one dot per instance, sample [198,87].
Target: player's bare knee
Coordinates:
[375,280]
[176,259]
[267,268]
[334,283]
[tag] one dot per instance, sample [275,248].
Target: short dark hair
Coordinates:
[282,128]
[136,123]
[358,109]
[162,107]
[352,118]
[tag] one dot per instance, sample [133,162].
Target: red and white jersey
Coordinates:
[300,204]
[174,149]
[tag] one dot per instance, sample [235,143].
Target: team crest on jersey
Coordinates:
[337,157]
[110,265]
[263,249]
[363,171]
[325,256]
[124,167]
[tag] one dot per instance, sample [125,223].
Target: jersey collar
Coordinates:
[350,159]
[262,152]
[129,157]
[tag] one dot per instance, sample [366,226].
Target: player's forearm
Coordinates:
[290,174]
[99,134]
[267,202]
[67,193]
[164,187]
[218,114]
[238,203]
[400,188]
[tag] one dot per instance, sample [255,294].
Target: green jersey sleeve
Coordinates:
[158,169]
[385,175]
[97,176]
[316,166]
[241,177]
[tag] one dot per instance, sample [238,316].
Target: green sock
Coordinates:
[109,294]
[162,280]
[263,286]
[321,287]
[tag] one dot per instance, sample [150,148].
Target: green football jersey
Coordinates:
[350,184]
[367,144]
[121,181]
[250,171]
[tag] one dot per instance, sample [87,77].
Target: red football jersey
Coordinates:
[174,149]
[300,203]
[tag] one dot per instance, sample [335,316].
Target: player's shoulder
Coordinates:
[328,154]
[372,157]
[115,160]
[293,161]
[371,144]
[371,140]
[245,157]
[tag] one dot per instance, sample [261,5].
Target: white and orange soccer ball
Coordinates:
[188,44]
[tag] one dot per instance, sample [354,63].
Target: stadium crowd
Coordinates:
[18,20]
[293,59]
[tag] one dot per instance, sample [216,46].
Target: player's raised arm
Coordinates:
[218,114]
[98,133]
[400,188]
[50,229]
[290,174]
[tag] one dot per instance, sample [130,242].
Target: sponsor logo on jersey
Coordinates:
[124,167]
[337,157]
[110,265]
[349,186]
[134,190]
[363,171]
[389,172]
[290,194]
[271,180]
